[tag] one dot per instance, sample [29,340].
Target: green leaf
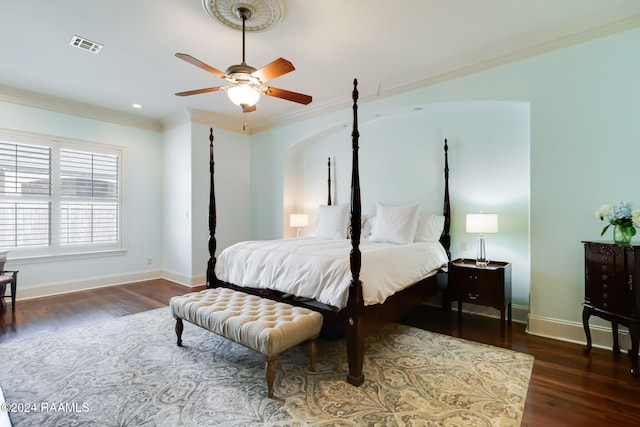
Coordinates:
[604,230]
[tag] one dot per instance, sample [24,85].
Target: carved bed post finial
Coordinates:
[329,182]
[212,280]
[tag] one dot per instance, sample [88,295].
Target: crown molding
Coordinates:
[208,118]
[512,57]
[454,73]
[36,100]
[65,106]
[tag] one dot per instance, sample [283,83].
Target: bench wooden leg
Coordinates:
[179,329]
[270,371]
[313,350]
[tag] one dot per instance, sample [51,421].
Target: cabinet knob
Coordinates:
[604,277]
[605,258]
[474,296]
[605,296]
[605,286]
[605,305]
[604,268]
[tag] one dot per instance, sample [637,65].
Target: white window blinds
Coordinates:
[89,208]
[25,193]
[54,196]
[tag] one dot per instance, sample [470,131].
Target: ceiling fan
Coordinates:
[245,82]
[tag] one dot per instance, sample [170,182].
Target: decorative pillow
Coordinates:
[395,224]
[367,223]
[430,228]
[333,222]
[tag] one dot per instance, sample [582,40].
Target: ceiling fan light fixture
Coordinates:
[243,94]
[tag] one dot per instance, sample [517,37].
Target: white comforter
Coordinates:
[319,269]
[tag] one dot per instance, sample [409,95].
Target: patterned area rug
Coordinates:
[129,372]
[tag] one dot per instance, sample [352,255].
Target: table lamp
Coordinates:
[298,221]
[482,223]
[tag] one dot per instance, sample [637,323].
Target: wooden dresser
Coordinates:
[611,291]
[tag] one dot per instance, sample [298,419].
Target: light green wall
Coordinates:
[231,157]
[584,146]
[142,193]
[402,162]
[177,197]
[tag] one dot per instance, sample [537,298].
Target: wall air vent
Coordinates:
[85,44]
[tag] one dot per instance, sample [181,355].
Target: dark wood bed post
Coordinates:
[212,280]
[355,331]
[329,182]
[446,210]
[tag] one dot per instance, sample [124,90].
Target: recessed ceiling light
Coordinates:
[136,105]
[84,44]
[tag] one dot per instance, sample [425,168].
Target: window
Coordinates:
[61,196]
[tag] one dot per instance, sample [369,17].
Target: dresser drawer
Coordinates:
[607,283]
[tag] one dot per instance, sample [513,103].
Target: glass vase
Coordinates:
[623,234]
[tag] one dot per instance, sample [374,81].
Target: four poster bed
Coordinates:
[354,312]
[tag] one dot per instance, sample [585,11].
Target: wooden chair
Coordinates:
[9,277]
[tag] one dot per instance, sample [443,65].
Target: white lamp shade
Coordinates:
[482,223]
[299,220]
[243,95]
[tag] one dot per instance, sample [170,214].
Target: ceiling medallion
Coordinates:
[264,13]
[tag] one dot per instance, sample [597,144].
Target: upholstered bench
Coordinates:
[260,324]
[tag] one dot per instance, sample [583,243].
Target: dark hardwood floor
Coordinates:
[567,388]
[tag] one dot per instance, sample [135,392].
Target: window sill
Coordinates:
[39,258]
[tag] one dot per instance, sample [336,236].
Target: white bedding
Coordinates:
[319,269]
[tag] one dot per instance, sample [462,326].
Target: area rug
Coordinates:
[129,372]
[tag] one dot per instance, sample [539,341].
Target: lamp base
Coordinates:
[481,258]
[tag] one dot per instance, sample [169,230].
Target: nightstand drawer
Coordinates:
[479,296]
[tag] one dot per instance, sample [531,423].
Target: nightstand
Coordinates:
[488,286]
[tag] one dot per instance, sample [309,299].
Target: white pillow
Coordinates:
[367,223]
[333,222]
[430,228]
[395,224]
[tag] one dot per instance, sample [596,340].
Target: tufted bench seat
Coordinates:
[260,324]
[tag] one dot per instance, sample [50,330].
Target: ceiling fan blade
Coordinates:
[191,60]
[197,91]
[248,108]
[288,95]
[274,69]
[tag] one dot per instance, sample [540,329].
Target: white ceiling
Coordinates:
[388,46]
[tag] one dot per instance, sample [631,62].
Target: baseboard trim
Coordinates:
[519,313]
[601,336]
[190,281]
[29,292]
